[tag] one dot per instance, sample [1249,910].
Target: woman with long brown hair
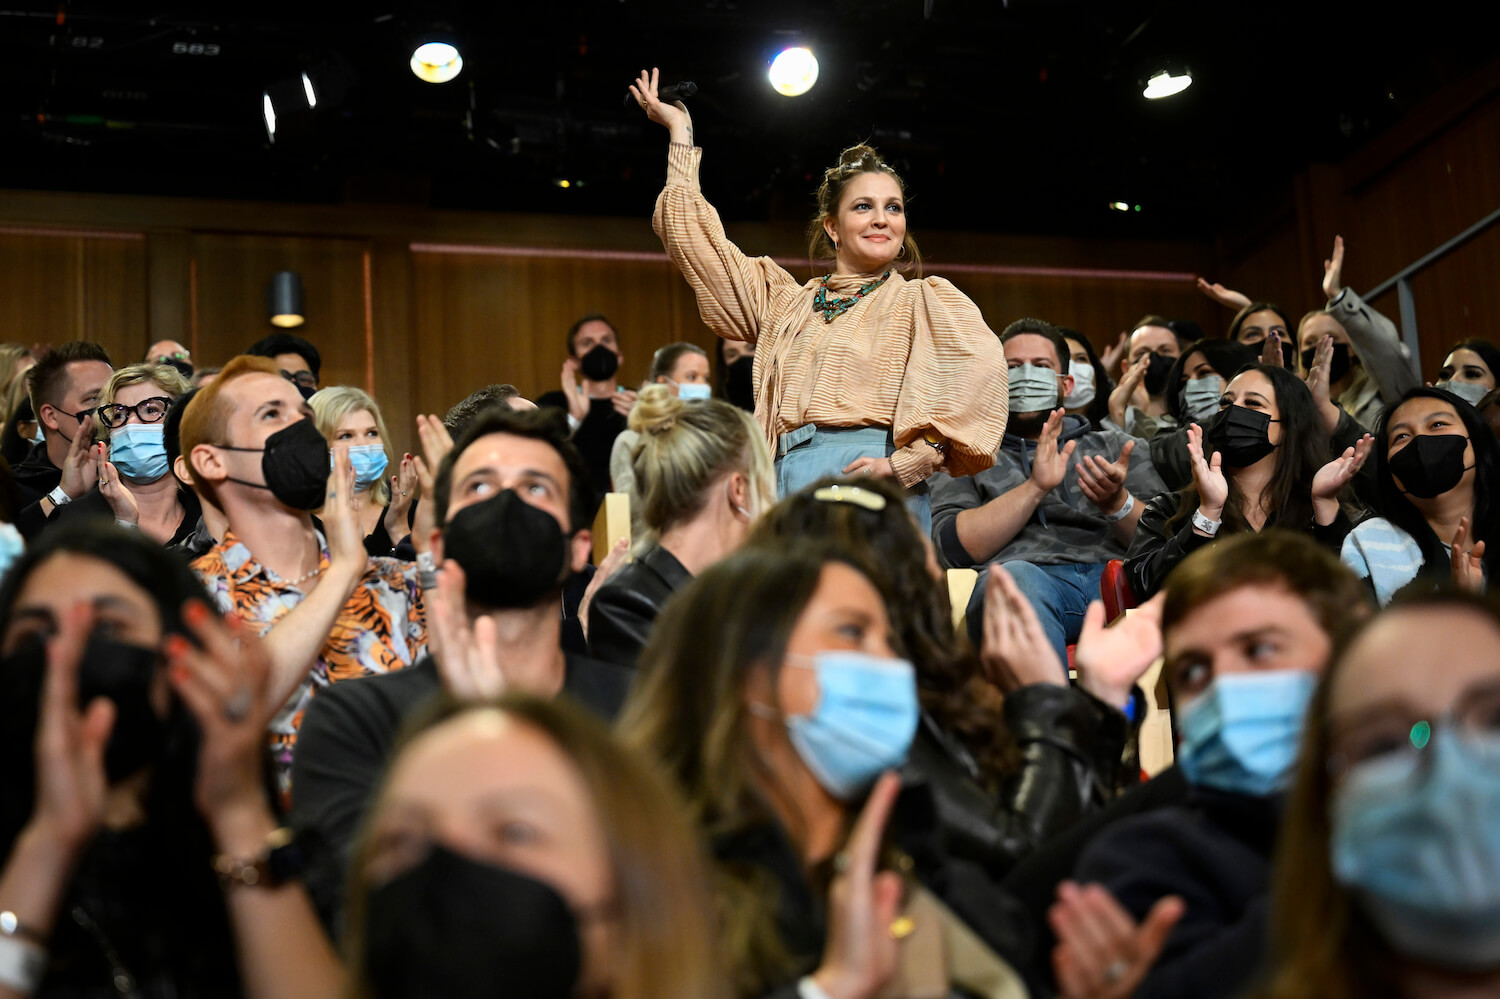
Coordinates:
[859,371]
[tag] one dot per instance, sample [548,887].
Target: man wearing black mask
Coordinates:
[1138,405]
[299,361]
[591,395]
[327,611]
[509,500]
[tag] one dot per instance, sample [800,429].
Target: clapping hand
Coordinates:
[612,562]
[80,467]
[1317,384]
[1208,475]
[1111,660]
[578,403]
[403,494]
[1103,481]
[1102,952]
[1114,354]
[1334,476]
[624,401]
[121,500]
[467,655]
[1049,465]
[1014,651]
[1131,391]
[1277,351]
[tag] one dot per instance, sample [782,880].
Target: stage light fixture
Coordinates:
[268,110]
[1119,206]
[284,300]
[1164,84]
[436,62]
[307,89]
[793,72]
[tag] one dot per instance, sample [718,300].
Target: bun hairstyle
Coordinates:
[852,162]
[686,447]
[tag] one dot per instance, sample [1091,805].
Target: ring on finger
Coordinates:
[237,707]
[1116,970]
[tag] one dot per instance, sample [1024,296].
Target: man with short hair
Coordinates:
[173,353]
[512,504]
[1138,405]
[591,395]
[64,387]
[467,409]
[1060,501]
[328,611]
[299,361]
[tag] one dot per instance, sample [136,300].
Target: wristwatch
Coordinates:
[936,441]
[1202,523]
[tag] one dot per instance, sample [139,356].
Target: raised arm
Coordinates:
[1375,338]
[734,291]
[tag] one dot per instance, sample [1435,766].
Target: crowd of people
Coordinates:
[288,713]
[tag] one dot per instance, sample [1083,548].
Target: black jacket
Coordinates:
[93,506]
[1073,759]
[624,608]
[35,478]
[1214,850]
[595,436]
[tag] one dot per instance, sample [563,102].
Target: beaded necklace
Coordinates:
[833,307]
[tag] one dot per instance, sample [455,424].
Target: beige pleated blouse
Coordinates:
[915,356]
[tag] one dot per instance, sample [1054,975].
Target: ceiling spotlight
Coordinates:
[307,89]
[1119,206]
[269,112]
[793,72]
[436,62]
[284,300]
[1164,84]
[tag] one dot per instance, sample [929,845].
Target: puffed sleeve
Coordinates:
[734,291]
[955,382]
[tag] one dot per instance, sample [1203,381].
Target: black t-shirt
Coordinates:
[93,506]
[346,740]
[595,436]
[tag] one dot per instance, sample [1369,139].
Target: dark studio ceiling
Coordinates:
[1024,116]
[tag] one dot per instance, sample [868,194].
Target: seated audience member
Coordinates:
[1489,408]
[1091,382]
[591,395]
[22,432]
[736,372]
[704,475]
[211,523]
[328,612]
[1470,370]
[1138,404]
[1248,628]
[1437,466]
[1259,463]
[350,420]
[682,368]
[202,376]
[136,485]
[1385,883]
[298,361]
[1013,754]
[133,769]
[64,387]
[506,499]
[171,353]
[1060,501]
[1257,322]
[776,721]
[518,850]
[463,412]
[1197,379]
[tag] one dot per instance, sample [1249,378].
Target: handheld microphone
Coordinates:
[671,92]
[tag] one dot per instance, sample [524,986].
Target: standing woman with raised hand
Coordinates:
[859,371]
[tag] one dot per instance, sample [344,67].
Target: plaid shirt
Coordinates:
[381,628]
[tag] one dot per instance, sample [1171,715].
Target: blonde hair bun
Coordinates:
[656,410]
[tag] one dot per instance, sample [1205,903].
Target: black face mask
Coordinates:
[120,672]
[1430,464]
[1338,365]
[1156,375]
[739,383]
[1240,435]
[599,364]
[461,929]
[512,554]
[295,464]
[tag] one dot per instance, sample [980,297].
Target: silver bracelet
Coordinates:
[1123,512]
[22,964]
[427,574]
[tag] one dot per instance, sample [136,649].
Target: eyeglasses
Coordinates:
[1393,739]
[302,379]
[152,410]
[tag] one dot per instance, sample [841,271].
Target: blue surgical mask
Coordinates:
[864,722]
[1083,385]
[1032,389]
[1415,837]
[369,463]
[139,451]
[41,434]
[693,391]
[1200,397]
[1469,392]
[1241,733]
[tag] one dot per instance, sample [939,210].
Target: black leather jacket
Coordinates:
[625,608]
[1076,751]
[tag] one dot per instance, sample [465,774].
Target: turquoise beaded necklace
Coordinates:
[833,307]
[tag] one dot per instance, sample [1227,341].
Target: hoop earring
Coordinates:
[901,252]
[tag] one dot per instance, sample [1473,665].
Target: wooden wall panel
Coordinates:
[58,286]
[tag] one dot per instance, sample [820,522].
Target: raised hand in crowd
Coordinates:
[607,568]
[224,682]
[1318,382]
[1103,482]
[578,403]
[404,493]
[1131,391]
[863,952]
[80,470]
[1102,953]
[1113,354]
[467,656]
[674,116]
[1208,476]
[1468,563]
[1111,660]
[1334,476]
[1014,651]
[436,442]
[1049,465]
[1226,297]
[1279,352]
[624,401]
[121,500]
[1333,270]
